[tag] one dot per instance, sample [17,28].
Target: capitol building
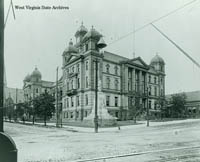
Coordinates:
[128,84]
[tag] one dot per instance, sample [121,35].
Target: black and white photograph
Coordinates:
[99,81]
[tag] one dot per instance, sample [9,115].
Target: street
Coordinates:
[39,144]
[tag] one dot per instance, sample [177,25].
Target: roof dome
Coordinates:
[92,34]
[36,73]
[157,59]
[71,48]
[81,30]
[27,78]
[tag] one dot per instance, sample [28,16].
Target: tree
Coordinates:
[44,106]
[19,111]
[137,110]
[177,108]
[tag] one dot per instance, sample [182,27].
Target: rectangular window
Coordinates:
[155,81]
[155,91]
[78,68]
[86,99]
[67,102]
[72,69]
[72,84]
[86,82]
[86,47]
[67,115]
[86,113]
[108,82]
[116,70]
[150,90]
[72,102]
[78,83]
[107,100]
[77,99]
[116,84]
[67,86]
[116,101]
[149,104]
[86,65]
[71,114]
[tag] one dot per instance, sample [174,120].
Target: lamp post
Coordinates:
[8,150]
[96,98]
[101,44]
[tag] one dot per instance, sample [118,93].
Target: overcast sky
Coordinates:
[38,38]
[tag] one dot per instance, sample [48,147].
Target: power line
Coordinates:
[11,5]
[155,20]
[175,44]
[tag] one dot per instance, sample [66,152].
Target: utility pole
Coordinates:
[96,97]
[1,63]
[147,107]
[57,109]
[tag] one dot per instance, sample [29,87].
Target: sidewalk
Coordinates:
[141,124]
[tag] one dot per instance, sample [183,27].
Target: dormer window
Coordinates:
[108,68]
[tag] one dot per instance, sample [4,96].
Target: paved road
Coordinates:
[72,144]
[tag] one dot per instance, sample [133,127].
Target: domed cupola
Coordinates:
[36,75]
[92,34]
[157,60]
[71,48]
[27,78]
[158,63]
[82,30]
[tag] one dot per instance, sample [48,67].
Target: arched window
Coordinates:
[108,68]
[149,78]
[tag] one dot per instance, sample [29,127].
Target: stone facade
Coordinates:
[126,83]
[34,85]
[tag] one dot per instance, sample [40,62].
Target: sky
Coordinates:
[39,37]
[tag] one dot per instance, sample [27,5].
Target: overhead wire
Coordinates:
[10,5]
[155,20]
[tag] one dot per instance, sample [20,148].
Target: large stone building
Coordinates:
[126,83]
[34,85]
